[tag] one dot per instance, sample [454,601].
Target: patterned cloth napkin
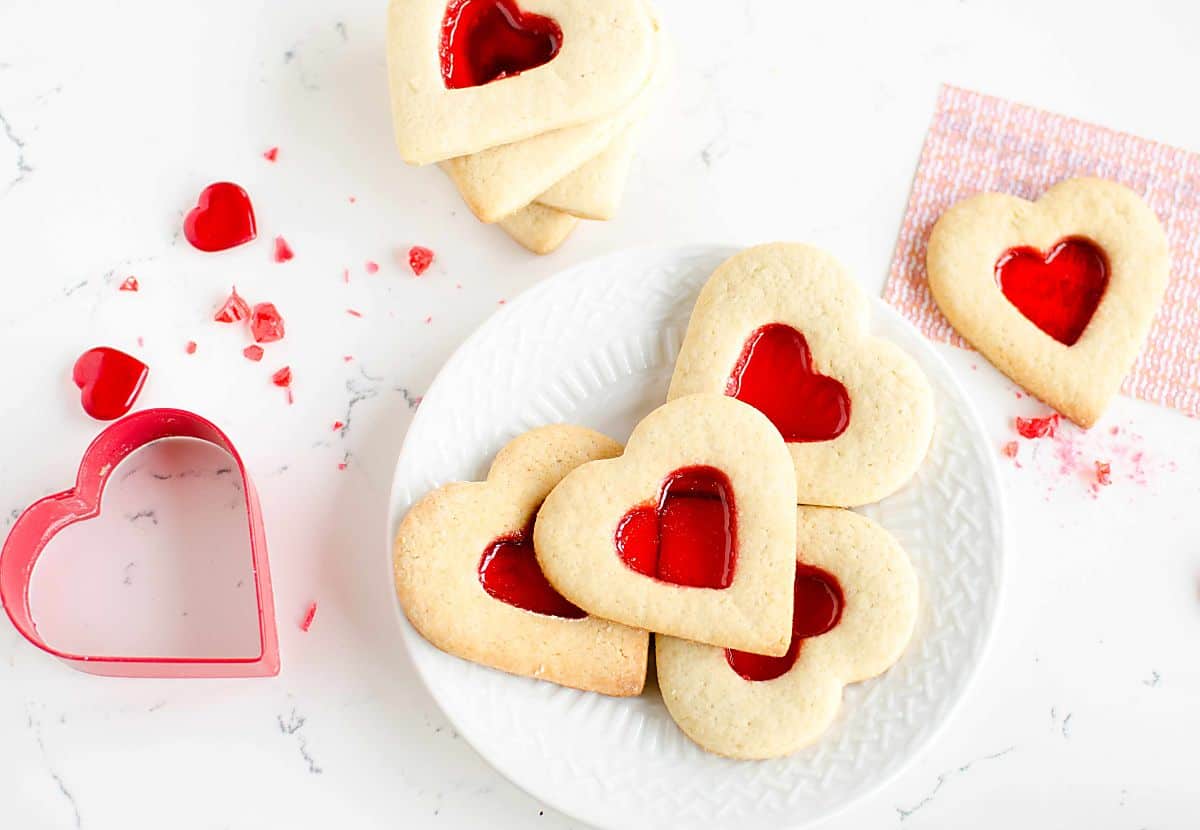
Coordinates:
[977,143]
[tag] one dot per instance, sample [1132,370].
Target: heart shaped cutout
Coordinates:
[508,571]
[689,532]
[222,218]
[487,40]
[783,327]
[451,70]
[855,597]
[816,608]
[41,521]
[1059,293]
[689,536]
[109,382]
[470,582]
[774,374]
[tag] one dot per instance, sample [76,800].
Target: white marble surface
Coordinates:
[786,120]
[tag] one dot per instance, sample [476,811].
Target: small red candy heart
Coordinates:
[774,374]
[109,382]
[486,40]
[1058,291]
[222,218]
[509,572]
[690,536]
[817,608]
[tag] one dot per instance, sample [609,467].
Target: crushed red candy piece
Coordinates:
[141,341]
[429,319]
[1038,427]
[346,358]
[353,199]
[342,465]
[233,309]
[337,425]
[272,154]
[372,267]
[1103,473]
[283,251]
[419,259]
[283,377]
[254,353]
[130,284]
[307,622]
[346,275]
[266,323]
[190,348]
[1010,449]
[353,313]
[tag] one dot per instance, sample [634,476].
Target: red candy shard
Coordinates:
[337,425]
[509,572]
[233,309]
[307,622]
[353,313]
[486,40]
[254,353]
[109,382]
[419,259]
[283,377]
[1010,449]
[372,267]
[774,374]
[223,218]
[283,251]
[1103,473]
[130,284]
[690,536]
[266,324]
[1038,427]
[190,348]
[272,154]
[817,609]
[1059,291]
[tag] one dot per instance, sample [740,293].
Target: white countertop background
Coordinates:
[786,120]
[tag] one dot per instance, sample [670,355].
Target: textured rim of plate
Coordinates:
[877,307]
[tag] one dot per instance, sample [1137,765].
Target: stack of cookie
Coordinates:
[720,526]
[531,110]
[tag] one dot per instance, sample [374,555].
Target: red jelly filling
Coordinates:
[109,382]
[509,571]
[817,609]
[486,40]
[774,374]
[1057,291]
[690,536]
[223,218]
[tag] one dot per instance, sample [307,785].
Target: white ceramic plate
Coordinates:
[595,346]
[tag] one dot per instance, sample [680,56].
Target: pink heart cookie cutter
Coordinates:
[43,519]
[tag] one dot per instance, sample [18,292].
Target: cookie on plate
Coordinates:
[468,75]
[1059,293]
[783,327]
[855,596]
[690,532]
[469,582]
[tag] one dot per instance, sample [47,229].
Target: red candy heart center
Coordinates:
[109,382]
[1058,291]
[223,218]
[774,374]
[509,571]
[690,536]
[486,40]
[817,608]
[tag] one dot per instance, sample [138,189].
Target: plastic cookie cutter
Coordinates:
[46,517]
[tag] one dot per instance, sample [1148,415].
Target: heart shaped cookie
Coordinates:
[469,581]
[1059,293]
[855,597]
[497,182]
[473,74]
[594,189]
[783,327]
[688,533]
